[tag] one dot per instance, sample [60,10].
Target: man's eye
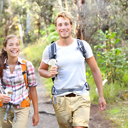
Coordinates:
[66,24]
[17,44]
[60,25]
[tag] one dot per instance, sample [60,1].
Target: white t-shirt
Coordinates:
[71,66]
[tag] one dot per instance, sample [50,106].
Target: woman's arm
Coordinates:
[34,97]
[33,93]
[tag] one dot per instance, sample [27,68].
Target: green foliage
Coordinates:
[118,114]
[48,85]
[1,40]
[112,92]
[53,36]
[34,52]
[125,79]
[111,60]
[114,111]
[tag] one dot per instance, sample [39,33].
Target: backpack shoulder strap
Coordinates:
[52,50]
[24,71]
[81,47]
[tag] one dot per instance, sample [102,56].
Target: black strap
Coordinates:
[81,47]
[52,51]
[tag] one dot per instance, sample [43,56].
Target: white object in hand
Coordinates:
[52,62]
[8,92]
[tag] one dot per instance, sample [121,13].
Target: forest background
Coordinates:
[102,23]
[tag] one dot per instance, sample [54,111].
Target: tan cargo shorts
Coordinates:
[22,114]
[72,111]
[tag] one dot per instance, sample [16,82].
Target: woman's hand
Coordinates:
[35,119]
[4,98]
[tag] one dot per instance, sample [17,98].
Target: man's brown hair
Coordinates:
[63,15]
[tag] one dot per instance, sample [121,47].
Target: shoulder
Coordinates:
[49,48]
[85,43]
[24,61]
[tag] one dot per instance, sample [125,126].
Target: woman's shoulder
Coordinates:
[23,61]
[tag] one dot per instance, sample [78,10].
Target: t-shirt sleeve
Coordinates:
[0,85]
[31,75]
[88,49]
[45,56]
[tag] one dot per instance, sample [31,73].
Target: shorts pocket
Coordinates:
[59,104]
[86,100]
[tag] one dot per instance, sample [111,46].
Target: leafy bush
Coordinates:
[111,60]
[125,79]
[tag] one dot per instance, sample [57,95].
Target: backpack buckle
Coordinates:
[70,90]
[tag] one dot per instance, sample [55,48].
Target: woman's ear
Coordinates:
[4,48]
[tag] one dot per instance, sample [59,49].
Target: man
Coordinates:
[73,103]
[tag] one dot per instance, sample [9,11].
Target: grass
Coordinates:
[118,113]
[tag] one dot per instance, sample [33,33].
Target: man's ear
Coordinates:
[56,28]
[71,26]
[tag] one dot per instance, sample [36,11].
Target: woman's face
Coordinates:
[12,48]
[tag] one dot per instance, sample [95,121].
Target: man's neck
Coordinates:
[65,42]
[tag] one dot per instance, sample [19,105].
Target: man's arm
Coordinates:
[98,80]
[43,70]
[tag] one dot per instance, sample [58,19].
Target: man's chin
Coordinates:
[64,37]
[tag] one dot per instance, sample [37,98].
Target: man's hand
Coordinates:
[35,119]
[4,98]
[102,103]
[53,71]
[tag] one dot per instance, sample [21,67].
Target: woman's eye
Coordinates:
[10,44]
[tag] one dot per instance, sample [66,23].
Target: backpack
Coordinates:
[26,102]
[52,50]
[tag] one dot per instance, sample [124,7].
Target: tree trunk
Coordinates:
[9,24]
[28,26]
[21,34]
[38,27]
[61,5]
[66,5]
[81,27]
[1,8]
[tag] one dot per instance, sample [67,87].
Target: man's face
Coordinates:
[63,27]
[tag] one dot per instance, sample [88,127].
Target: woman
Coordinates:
[15,108]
